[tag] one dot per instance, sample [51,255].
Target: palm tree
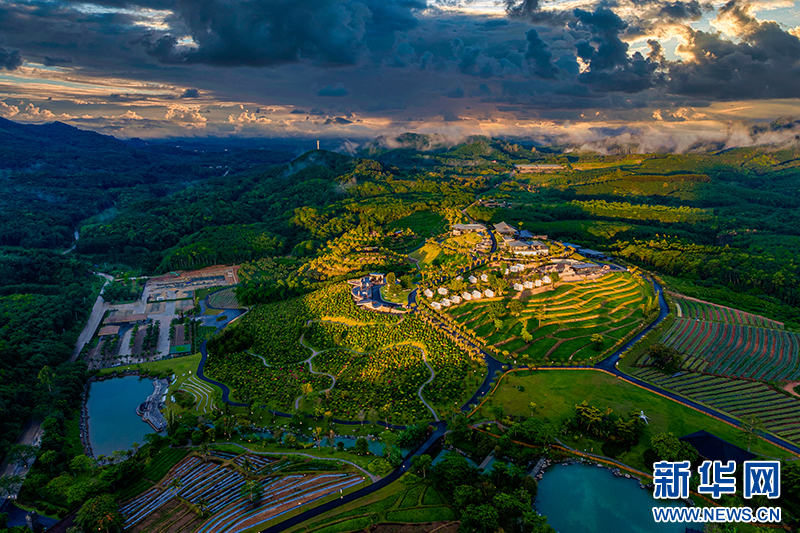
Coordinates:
[204,451]
[361,416]
[202,505]
[176,484]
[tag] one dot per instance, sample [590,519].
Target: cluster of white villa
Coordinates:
[455,299]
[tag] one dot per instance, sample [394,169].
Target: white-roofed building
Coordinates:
[547,280]
[466,295]
[519,287]
[473,279]
[484,277]
[428,293]
[489,293]
[477,295]
[528,284]
[443,291]
[538,283]
[456,299]
[446,302]
[436,305]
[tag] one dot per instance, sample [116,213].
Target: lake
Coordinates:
[113,422]
[586,499]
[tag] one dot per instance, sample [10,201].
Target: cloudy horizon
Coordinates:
[664,75]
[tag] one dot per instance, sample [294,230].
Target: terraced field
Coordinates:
[735,350]
[559,323]
[779,413]
[217,485]
[692,308]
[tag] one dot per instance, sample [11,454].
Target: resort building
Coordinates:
[443,291]
[461,229]
[473,279]
[484,277]
[436,305]
[528,284]
[466,295]
[428,293]
[546,280]
[504,229]
[456,299]
[477,295]
[445,302]
[519,287]
[489,293]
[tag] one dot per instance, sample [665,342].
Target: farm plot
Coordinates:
[224,299]
[779,413]
[559,324]
[217,487]
[734,350]
[693,308]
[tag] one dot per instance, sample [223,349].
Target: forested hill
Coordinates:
[55,176]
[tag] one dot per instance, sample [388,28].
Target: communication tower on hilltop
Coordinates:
[317,145]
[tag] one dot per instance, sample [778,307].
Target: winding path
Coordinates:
[433,375]
[314,353]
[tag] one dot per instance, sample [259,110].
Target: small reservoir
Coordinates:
[585,499]
[111,406]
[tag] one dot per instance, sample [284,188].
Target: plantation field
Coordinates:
[556,392]
[373,366]
[423,223]
[397,502]
[217,485]
[684,187]
[377,359]
[224,299]
[558,325]
[734,350]
[779,413]
[691,308]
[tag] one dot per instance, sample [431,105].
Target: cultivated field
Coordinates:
[779,413]
[692,308]
[216,485]
[560,323]
[733,350]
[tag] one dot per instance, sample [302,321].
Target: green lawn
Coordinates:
[556,392]
[401,298]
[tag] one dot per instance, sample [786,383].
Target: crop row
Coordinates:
[718,313]
[735,350]
[779,413]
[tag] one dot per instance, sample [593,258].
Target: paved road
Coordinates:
[98,310]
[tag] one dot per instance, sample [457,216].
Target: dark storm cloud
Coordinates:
[271,32]
[190,93]
[610,66]
[336,91]
[52,61]
[10,59]
[765,63]
[541,56]
[337,120]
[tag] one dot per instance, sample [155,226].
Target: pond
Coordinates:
[113,422]
[586,499]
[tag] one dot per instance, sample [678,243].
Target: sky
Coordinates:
[655,75]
